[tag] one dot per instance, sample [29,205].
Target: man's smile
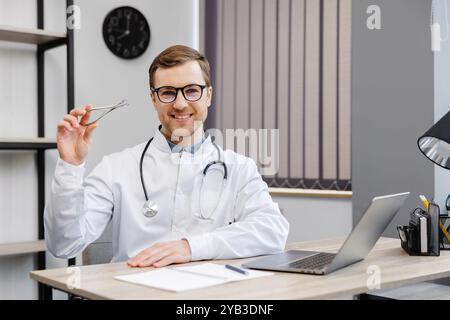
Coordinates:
[182,117]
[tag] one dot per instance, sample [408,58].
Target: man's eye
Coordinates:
[167,93]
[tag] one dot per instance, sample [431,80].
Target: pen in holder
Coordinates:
[444,234]
[421,236]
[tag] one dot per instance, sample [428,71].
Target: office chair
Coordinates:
[100,251]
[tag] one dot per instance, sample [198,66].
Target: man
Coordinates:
[188,225]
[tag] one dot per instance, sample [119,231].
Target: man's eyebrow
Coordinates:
[188,84]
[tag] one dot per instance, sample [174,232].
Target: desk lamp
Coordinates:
[435,143]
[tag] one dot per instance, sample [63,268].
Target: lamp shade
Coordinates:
[435,143]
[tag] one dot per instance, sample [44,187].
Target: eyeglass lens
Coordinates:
[190,93]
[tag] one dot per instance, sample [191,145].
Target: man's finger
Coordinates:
[155,257]
[89,130]
[144,254]
[64,125]
[173,258]
[86,115]
[72,120]
[78,112]
[141,256]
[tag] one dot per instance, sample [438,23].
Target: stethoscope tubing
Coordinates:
[219,161]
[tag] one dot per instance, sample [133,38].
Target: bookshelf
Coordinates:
[44,40]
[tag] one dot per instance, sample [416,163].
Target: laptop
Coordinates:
[355,248]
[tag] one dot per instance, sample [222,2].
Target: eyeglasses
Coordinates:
[99,112]
[191,92]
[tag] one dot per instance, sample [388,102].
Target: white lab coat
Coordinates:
[245,223]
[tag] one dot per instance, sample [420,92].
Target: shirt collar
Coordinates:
[169,146]
[191,149]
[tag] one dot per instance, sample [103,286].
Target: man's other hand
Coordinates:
[162,254]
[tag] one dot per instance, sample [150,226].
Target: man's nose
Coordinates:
[180,102]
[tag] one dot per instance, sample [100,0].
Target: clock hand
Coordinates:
[127,32]
[123,35]
[128,23]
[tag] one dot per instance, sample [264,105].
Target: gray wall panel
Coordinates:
[297,88]
[329,74]
[344,93]
[270,63]
[392,104]
[312,89]
[242,63]
[283,70]
[227,108]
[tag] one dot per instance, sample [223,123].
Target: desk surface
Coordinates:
[396,269]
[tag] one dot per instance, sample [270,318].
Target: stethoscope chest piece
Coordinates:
[150,209]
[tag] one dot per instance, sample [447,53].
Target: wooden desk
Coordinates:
[397,268]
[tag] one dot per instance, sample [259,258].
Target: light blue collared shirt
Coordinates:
[191,149]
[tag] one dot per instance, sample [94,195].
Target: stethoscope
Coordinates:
[150,208]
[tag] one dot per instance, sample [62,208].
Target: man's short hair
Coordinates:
[177,55]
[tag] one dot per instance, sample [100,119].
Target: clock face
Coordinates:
[126,32]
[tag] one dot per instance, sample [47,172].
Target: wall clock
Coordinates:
[126,32]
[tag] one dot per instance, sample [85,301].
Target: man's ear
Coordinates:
[153,97]
[209,96]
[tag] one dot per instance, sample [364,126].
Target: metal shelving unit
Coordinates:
[12,249]
[44,41]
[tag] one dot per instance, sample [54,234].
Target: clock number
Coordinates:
[126,53]
[118,46]
[112,40]
[114,21]
[127,12]
[134,51]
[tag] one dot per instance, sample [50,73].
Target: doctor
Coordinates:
[174,199]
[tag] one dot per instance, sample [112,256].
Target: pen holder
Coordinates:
[410,244]
[444,232]
[421,236]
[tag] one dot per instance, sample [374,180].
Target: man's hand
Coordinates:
[162,254]
[73,137]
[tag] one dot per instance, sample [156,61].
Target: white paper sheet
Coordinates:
[189,277]
[219,270]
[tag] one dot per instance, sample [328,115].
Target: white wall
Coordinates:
[100,78]
[441,107]
[316,218]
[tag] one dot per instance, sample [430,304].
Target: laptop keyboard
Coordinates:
[315,262]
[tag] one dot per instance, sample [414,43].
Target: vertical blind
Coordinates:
[285,64]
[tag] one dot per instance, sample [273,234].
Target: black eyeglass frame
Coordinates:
[156,90]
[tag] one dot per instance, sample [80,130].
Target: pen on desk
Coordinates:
[236,269]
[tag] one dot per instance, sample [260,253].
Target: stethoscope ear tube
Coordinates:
[225,173]
[140,168]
